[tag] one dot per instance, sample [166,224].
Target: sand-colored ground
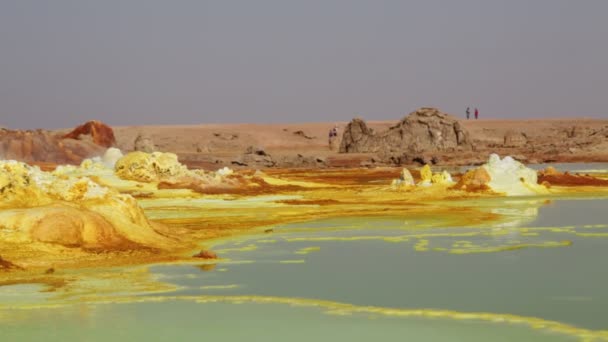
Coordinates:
[214,145]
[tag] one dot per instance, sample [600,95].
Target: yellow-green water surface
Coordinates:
[537,275]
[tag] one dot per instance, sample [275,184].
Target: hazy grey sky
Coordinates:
[170,62]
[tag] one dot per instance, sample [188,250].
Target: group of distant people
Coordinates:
[468,111]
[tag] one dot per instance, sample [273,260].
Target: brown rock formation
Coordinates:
[515,139]
[100,133]
[144,143]
[41,146]
[357,137]
[425,130]
[44,146]
[254,157]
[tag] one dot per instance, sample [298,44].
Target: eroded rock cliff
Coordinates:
[425,130]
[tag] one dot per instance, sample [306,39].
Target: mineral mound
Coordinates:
[47,208]
[166,170]
[505,176]
[149,167]
[426,129]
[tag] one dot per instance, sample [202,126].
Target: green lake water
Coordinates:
[356,279]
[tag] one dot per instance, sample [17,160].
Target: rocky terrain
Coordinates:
[42,146]
[426,130]
[425,136]
[161,194]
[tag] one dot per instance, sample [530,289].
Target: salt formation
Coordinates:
[405,179]
[506,176]
[100,166]
[427,178]
[425,175]
[162,167]
[23,185]
[165,170]
[510,176]
[110,157]
[149,167]
[140,172]
[69,210]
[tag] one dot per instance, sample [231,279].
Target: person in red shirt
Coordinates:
[476,114]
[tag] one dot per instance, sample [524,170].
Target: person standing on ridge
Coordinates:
[468,113]
[476,114]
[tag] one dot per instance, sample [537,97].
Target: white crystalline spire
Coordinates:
[511,177]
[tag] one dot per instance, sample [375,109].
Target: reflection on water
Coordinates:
[207,267]
[185,321]
[526,267]
[416,278]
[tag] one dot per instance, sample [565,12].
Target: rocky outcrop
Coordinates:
[358,138]
[44,146]
[577,143]
[302,161]
[41,146]
[515,139]
[255,157]
[258,156]
[302,134]
[144,143]
[334,143]
[425,130]
[96,131]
